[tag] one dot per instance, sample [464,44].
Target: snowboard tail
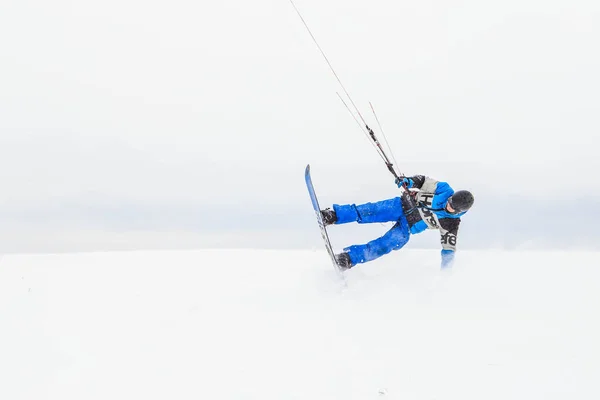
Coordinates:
[321,224]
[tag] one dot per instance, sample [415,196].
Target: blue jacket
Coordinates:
[425,208]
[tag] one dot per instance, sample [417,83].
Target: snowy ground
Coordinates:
[258,324]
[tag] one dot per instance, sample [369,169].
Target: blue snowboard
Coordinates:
[315,203]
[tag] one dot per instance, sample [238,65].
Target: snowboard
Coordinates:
[317,209]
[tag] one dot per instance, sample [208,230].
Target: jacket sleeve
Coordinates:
[448,232]
[416,181]
[431,193]
[429,185]
[444,190]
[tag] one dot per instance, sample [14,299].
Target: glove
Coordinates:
[404,181]
[447,258]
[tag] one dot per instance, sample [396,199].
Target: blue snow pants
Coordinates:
[381,211]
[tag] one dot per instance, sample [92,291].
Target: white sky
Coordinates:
[181,105]
[271,325]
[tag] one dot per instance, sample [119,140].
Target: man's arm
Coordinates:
[426,184]
[431,193]
[412,182]
[448,232]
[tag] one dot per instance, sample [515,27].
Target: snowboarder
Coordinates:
[428,204]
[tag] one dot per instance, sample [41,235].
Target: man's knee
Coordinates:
[398,237]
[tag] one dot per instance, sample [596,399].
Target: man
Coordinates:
[428,205]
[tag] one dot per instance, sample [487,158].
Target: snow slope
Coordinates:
[258,324]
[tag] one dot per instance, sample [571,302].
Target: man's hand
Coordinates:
[404,181]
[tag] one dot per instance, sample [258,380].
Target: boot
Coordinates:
[328,216]
[343,260]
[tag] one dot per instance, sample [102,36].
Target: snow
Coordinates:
[279,324]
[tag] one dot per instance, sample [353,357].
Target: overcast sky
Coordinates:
[145,124]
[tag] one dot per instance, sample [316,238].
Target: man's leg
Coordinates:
[381,211]
[393,239]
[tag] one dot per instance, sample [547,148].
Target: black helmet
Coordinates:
[461,201]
